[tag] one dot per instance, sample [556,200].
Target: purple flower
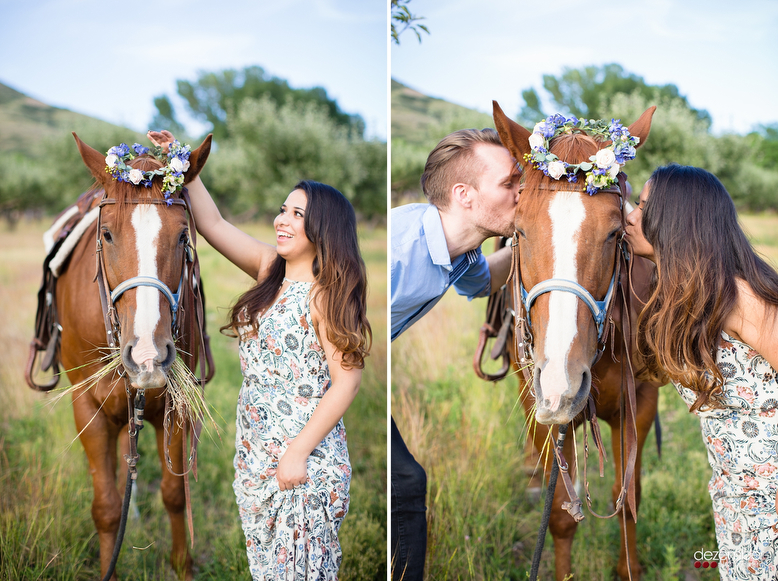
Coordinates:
[139,149]
[121,150]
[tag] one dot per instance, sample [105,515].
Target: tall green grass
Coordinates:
[470,434]
[46,529]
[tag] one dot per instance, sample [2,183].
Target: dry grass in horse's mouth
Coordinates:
[188,400]
[187,396]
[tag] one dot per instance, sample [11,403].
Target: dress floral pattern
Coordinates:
[742,444]
[290,534]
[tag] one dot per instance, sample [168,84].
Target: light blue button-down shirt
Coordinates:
[421,268]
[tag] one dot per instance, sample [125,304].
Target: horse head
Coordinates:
[142,241]
[567,247]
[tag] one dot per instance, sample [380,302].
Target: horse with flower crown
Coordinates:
[130,335]
[572,282]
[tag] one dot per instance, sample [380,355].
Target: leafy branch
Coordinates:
[403,20]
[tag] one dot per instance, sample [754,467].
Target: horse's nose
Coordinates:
[146,365]
[560,404]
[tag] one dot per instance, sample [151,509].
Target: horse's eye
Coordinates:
[107,236]
[184,238]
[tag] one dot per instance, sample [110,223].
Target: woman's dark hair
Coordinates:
[691,221]
[340,277]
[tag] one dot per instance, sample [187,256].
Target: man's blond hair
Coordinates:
[453,161]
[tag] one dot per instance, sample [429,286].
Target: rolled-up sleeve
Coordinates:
[476,281]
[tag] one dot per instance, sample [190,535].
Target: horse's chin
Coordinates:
[156,378]
[561,409]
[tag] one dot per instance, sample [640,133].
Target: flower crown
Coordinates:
[176,158]
[601,169]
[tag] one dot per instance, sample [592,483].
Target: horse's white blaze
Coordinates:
[147,224]
[567,214]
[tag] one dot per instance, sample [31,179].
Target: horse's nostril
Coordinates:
[170,356]
[127,360]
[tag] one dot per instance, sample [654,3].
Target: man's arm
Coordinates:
[499,267]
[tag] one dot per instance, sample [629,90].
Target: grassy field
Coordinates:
[46,530]
[469,435]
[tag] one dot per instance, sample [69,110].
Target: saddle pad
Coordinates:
[70,242]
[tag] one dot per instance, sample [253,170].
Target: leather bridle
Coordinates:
[600,310]
[108,296]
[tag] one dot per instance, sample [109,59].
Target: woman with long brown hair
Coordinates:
[710,325]
[304,336]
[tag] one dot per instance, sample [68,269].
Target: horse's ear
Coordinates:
[642,126]
[513,136]
[93,159]
[197,159]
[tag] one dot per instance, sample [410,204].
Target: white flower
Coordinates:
[136,176]
[556,169]
[605,158]
[537,140]
[186,165]
[178,166]
[614,170]
[112,160]
[539,126]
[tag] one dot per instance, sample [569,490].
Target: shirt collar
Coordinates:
[436,238]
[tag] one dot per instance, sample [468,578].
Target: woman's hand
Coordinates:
[161,139]
[292,469]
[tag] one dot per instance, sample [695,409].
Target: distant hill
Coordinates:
[420,120]
[25,123]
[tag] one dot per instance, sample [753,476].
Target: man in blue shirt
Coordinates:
[472,184]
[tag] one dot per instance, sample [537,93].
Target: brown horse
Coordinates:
[139,236]
[568,243]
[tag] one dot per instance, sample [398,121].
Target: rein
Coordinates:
[189,291]
[602,315]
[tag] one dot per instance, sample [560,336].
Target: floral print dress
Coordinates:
[742,444]
[290,534]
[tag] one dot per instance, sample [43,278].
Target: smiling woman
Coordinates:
[304,336]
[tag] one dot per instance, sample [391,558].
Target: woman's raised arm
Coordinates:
[247,253]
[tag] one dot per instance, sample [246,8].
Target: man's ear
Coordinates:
[461,195]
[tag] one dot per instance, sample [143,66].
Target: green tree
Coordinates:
[765,143]
[587,92]
[217,95]
[678,135]
[272,146]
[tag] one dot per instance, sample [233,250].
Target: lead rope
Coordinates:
[135,426]
[533,575]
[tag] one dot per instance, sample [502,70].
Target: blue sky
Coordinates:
[722,55]
[109,60]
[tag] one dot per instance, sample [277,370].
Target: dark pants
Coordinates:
[409,518]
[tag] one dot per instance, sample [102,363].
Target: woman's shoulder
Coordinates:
[748,313]
[752,321]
